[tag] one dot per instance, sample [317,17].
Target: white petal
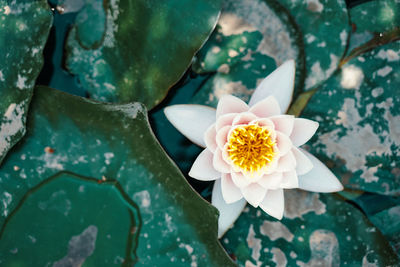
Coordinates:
[239,179]
[224,120]
[222,136]
[271,181]
[230,104]
[279,83]
[303,163]
[283,123]
[284,143]
[191,120]
[228,213]
[303,130]
[266,108]
[264,122]
[254,194]
[274,203]
[286,163]
[244,118]
[230,191]
[209,138]
[320,178]
[203,169]
[290,180]
[219,163]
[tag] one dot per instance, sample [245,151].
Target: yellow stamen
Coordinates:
[250,147]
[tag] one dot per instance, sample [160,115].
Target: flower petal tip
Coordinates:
[191,120]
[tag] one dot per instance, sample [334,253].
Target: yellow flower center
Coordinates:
[250,147]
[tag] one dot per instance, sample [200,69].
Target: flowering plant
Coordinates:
[252,150]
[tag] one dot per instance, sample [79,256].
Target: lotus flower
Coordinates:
[252,150]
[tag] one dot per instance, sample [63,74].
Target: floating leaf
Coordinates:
[251,39]
[126,51]
[374,23]
[359,115]
[317,230]
[71,137]
[24,29]
[326,27]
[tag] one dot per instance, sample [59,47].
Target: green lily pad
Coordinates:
[57,205]
[317,230]
[111,144]
[125,51]
[374,23]
[250,40]
[24,29]
[326,28]
[359,115]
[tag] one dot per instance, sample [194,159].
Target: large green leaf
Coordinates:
[73,143]
[24,28]
[374,23]
[359,115]
[252,37]
[326,28]
[317,230]
[126,51]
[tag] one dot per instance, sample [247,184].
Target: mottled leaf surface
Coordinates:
[374,22]
[24,28]
[317,230]
[359,116]
[325,27]
[76,139]
[126,51]
[251,39]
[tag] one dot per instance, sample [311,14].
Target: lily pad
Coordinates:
[250,40]
[114,145]
[317,230]
[24,29]
[359,115]
[75,208]
[127,51]
[374,23]
[325,26]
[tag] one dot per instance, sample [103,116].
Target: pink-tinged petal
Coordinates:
[222,136]
[266,108]
[303,130]
[287,163]
[244,118]
[230,104]
[284,143]
[283,123]
[266,122]
[290,180]
[209,138]
[303,163]
[279,84]
[320,178]
[254,194]
[203,169]
[271,167]
[271,181]
[230,191]
[228,213]
[240,180]
[219,163]
[225,120]
[191,120]
[274,203]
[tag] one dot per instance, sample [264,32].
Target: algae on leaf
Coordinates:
[97,170]
[317,230]
[24,29]
[359,116]
[126,51]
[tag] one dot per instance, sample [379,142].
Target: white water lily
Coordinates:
[252,150]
